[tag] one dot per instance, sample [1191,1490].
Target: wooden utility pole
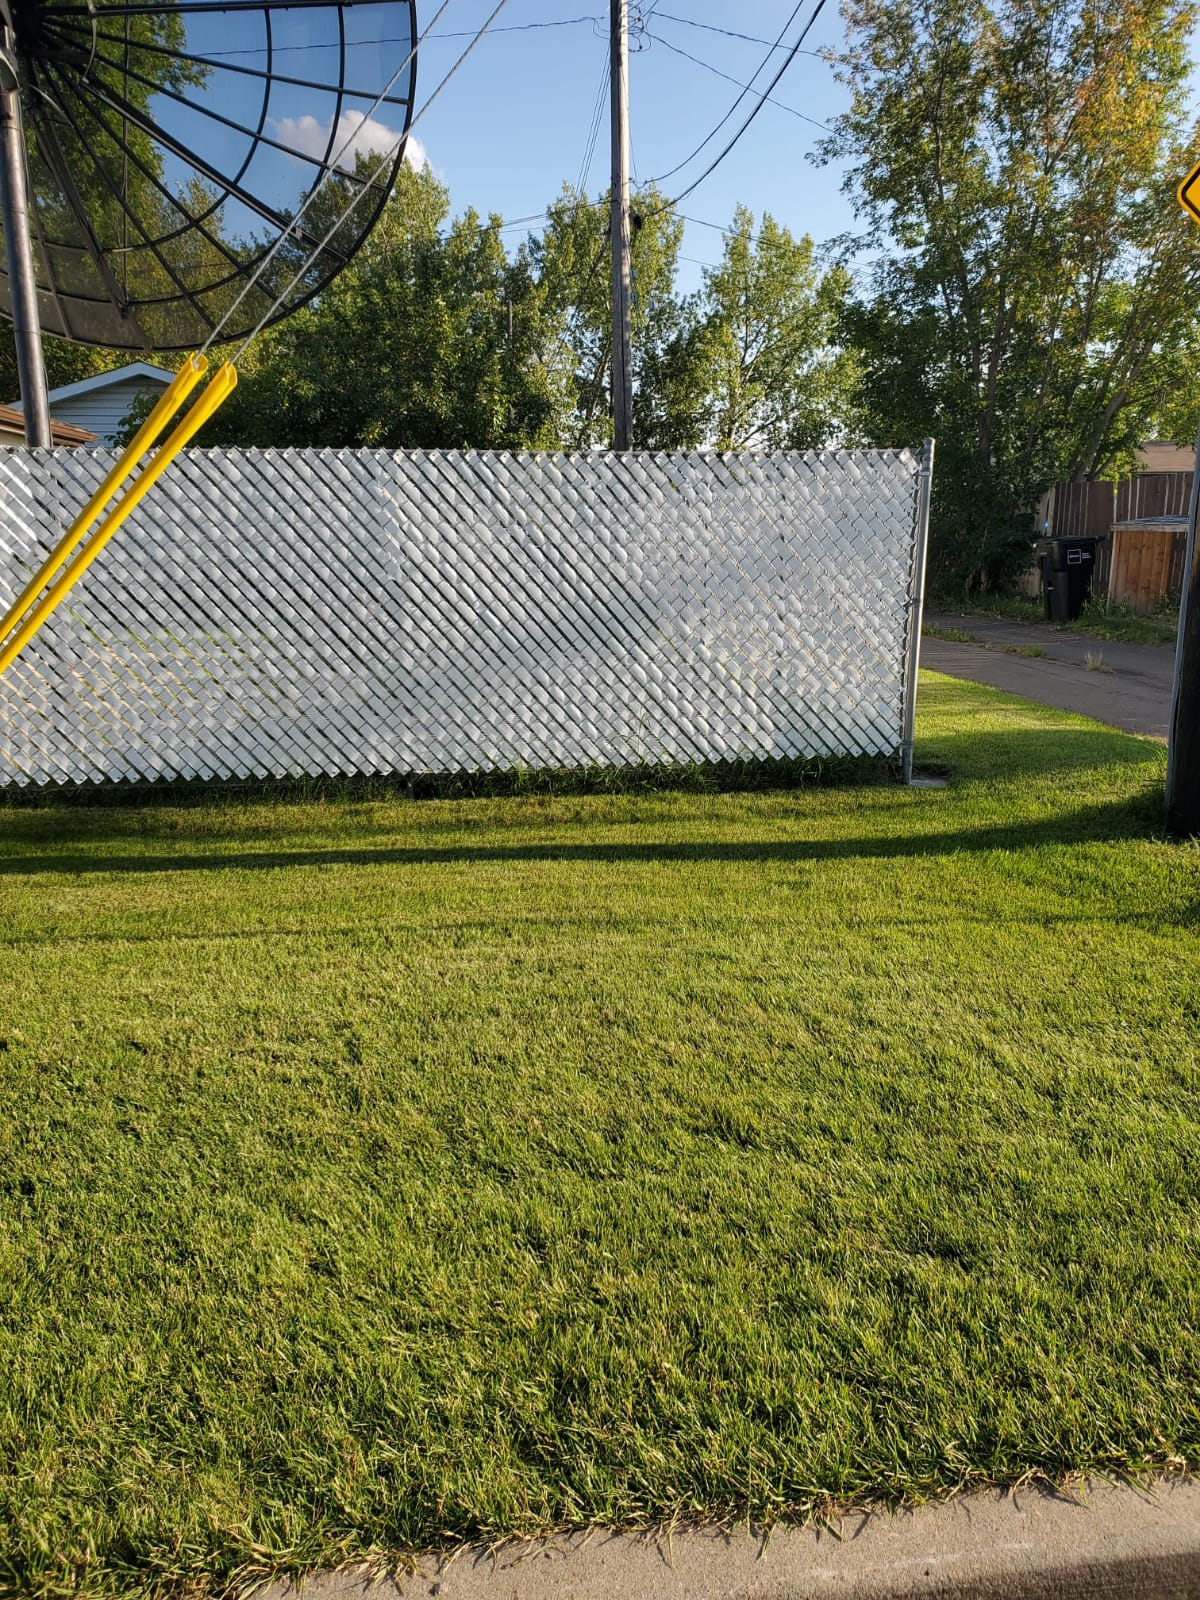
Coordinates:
[622,337]
[1183,751]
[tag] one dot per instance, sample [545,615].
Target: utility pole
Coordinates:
[622,337]
[1183,751]
[18,248]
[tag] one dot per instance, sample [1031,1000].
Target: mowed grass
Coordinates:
[377,1175]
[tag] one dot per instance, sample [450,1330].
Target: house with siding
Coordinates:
[100,404]
[12,430]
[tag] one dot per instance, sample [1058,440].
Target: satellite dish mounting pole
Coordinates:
[622,337]
[18,246]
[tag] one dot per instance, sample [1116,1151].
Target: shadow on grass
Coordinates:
[1133,817]
[993,753]
[998,753]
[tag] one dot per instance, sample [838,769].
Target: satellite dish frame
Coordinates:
[18,245]
[18,240]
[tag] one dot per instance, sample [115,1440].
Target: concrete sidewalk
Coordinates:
[1128,686]
[1031,1544]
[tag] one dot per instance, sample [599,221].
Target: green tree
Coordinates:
[65,363]
[1014,162]
[425,340]
[777,377]
[571,262]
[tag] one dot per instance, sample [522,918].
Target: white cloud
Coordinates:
[360,134]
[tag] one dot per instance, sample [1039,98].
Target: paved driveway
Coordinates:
[1134,692]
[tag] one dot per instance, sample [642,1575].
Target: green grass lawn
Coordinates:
[378,1174]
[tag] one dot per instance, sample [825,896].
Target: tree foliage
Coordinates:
[777,377]
[572,264]
[65,363]
[434,336]
[1016,162]
[424,340]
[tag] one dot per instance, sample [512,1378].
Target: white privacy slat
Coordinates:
[276,613]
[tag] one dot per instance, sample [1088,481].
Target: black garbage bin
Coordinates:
[1067,564]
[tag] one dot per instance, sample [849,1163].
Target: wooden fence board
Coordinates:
[1138,568]
[1141,566]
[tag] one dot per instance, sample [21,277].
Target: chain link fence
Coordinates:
[310,612]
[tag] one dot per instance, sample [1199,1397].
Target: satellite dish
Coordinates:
[167,147]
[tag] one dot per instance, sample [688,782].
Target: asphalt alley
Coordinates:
[1127,686]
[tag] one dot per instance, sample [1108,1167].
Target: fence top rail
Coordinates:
[1169,523]
[600,457]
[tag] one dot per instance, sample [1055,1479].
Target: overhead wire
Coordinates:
[712,134]
[364,187]
[729,78]
[483,226]
[729,33]
[354,44]
[719,227]
[793,52]
[593,135]
[594,127]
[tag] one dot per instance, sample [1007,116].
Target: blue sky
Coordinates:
[529,108]
[514,123]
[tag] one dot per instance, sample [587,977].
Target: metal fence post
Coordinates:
[916,608]
[1183,743]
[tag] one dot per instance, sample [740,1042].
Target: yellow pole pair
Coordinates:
[67,563]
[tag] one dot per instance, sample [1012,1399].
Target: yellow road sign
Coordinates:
[1189,193]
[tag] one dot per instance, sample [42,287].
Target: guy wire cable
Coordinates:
[255,331]
[332,166]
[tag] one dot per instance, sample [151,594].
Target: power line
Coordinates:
[353,44]
[719,227]
[804,117]
[594,128]
[711,135]
[729,33]
[516,222]
[784,65]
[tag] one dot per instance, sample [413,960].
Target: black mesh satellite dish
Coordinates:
[168,147]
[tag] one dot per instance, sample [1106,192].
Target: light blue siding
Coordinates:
[103,411]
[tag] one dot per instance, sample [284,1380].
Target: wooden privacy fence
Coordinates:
[1145,561]
[1143,521]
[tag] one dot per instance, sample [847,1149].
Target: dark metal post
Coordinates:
[622,337]
[916,611]
[1183,750]
[18,249]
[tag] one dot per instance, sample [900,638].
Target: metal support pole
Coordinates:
[1183,748]
[916,611]
[18,250]
[622,337]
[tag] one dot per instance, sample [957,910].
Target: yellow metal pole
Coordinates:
[176,392]
[220,387]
